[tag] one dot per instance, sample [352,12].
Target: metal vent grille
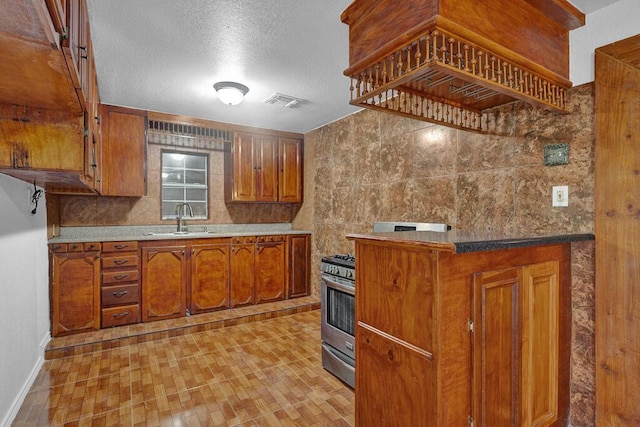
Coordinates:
[188,136]
[286,101]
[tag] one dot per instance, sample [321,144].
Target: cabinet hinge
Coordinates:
[470,421]
[470,325]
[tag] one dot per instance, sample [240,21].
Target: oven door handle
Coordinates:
[338,286]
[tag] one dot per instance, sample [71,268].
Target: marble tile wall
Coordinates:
[99,211]
[374,166]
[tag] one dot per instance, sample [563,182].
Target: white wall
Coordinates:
[616,22]
[24,294]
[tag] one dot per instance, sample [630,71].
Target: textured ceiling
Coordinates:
[165,55]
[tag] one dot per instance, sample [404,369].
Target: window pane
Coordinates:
[199,209]
[195,177]
[174,194]
[184,180]
[196,162]
[196,194]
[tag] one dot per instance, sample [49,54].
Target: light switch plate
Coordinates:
[556,154]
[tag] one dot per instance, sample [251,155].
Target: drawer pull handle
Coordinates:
[120,261]
[56,247]
[121,246]
[120,315]
[120,276]
[120,294]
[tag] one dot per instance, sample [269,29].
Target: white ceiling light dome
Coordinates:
[230,93]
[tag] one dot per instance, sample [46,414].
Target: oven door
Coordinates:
[338,314]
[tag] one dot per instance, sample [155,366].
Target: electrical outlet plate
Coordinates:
[560,196]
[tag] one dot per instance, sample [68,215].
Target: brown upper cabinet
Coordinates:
[263,168]
[51,90]
[124,151]
[290,170]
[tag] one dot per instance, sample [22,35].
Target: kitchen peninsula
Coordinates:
[461,328]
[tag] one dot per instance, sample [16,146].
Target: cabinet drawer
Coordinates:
[118,316]
[268,239]
[76,247]
[93,246]
[119,276]
[243,239]
[119,246]
[59,247]
[118,295]
[120,261]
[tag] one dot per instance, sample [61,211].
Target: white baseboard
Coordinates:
[19,400]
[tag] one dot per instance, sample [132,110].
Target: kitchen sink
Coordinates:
[183,233]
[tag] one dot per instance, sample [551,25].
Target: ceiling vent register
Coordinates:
[418,60]
[286,101]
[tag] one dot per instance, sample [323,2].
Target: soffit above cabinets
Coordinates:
[446,61]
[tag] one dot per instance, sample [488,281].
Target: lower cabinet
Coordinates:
[270,265]
[109,284]
[516,342]
[120,291]
[164,280]
[258,269]
[242,271]
[462,339]
[75,288]
[209,276]
[299,278]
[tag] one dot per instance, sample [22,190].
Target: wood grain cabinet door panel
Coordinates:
[75,293]
[209,277]
[299,265]
[270,271]
[266,149]
[291,170]
[516,317]
[164,278]
[242,274]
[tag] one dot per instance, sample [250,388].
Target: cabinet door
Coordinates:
[123,152]
[266,148]
[299,259]
[496,347]
[242,274]
[270,271]
[163,282]
[209,277]
[399,380]
[244,168]
[290,173]
[75,292]
[516,346]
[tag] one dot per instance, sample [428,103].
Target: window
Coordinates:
[184,180]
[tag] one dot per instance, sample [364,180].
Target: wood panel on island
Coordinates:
[448,338]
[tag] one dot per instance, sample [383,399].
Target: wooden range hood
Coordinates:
[445,61]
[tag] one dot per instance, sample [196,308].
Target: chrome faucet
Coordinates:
[182,226]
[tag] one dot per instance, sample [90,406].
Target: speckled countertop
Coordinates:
[459,241]
[165,232]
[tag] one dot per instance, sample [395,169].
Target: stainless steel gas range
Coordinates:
[338,288]
[337,283]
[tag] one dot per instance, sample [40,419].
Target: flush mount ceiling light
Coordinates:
[230,93]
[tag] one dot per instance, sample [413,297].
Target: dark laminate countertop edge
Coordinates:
[465,242]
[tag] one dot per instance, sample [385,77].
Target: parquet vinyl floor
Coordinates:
[264,373]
